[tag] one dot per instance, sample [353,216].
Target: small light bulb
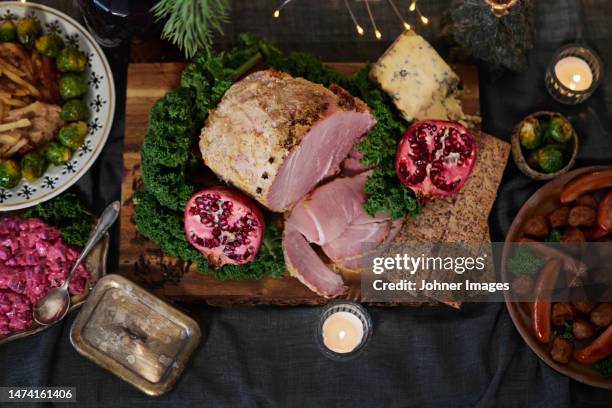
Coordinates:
[378,35]
[412,6]
[342,334]
[424,20]
[276,13]
[407,26]
[359,29]
[576,77]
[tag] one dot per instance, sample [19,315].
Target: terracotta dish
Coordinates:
[542,202]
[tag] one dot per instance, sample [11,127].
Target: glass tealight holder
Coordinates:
[573,74]
[343,330]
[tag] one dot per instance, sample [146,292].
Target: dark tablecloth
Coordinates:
[267,356]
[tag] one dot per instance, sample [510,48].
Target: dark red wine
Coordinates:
[113,21]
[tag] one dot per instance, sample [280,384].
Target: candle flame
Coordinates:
[276,13]
[359,29]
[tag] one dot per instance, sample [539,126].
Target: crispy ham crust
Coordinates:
[276,137]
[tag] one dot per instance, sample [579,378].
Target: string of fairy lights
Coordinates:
[412,8]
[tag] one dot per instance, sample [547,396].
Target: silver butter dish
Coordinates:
[135,335]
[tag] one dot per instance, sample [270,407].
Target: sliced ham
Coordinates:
[325,214]
[347,260]
[333,217]
[351,166]
[304,264]
[276,137]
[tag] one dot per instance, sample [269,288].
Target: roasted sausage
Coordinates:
[602,315]
[573,235]
[562,312]
[584,307]
[561,350]
[536,227]
[599,349]
[582,217]
[586,183]
[542,307]
[581,329]
[587,200]
[559,217]
[596,233]
[604,212]
[574,266]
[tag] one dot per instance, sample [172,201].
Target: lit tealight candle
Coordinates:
[574,73]
[342,332]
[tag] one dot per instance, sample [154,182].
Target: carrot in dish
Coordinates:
[584,184]
[542,308]
[599,349]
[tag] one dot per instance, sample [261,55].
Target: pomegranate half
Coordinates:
[435,157]
[224,225]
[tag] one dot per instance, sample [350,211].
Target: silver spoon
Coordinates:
[55,304]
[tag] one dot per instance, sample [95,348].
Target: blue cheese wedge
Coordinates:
[420,82]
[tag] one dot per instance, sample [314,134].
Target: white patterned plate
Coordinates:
[100,98]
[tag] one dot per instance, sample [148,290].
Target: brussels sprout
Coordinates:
[71,59]
[49,45]
[73,110]
[7,31]
[72,86]
[533,159]
[73,135]
[28,30]
[530,133]
[550,159]
[57,154]
[10,174]
[559,130]
[33,166]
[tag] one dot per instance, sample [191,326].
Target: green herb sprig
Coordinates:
[191,24]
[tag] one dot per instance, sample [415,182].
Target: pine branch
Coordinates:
[191,24]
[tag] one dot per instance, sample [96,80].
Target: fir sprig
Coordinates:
[191,24]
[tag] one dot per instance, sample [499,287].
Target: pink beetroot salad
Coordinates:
[33,259]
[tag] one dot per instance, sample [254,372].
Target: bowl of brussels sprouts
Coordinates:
[544,145]
[57,103]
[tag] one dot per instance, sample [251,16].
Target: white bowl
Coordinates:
[100,99]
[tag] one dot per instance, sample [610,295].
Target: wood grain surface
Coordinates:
[142,260]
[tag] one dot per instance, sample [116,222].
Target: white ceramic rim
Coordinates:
[107,125]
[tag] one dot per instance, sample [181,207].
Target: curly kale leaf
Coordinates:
[67,213]
[605,367]
[564,331]
[171,127]
[524,262]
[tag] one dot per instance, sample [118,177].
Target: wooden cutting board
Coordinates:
[142,260]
